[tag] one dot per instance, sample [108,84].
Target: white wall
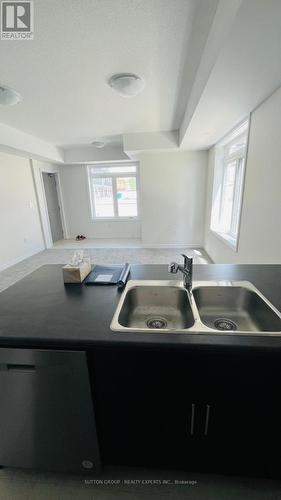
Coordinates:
[173,188]
[172,201]
[88,154]
[16,142]
[260,230]
[136,143]
[75,193]
[20,230]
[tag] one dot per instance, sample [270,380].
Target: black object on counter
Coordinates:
[109,275]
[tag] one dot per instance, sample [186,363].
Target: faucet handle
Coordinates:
[173,268]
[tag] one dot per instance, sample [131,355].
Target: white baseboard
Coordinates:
[129,243]
[172,245]
[15,261]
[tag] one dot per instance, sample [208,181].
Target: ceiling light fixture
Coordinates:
[127,84]
[98,144]
[8,96]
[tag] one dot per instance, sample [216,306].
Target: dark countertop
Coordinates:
[40,311]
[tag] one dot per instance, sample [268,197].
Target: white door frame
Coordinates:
[48,233]
[42,202]
[60,200]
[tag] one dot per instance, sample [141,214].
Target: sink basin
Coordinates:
[213,307]
[235,308]
[155,307]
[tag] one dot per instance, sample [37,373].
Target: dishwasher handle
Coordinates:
[17,367]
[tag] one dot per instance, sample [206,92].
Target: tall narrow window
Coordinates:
[113,191]
[230,160]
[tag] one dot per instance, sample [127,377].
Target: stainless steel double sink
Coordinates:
[216,307]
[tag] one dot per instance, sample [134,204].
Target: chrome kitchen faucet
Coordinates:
[186,270]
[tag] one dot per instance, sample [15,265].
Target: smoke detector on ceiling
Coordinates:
[8,96]
[127,84]
[98,144]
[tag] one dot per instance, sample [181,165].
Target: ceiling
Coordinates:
[62,74]
[247,70]
[207,64]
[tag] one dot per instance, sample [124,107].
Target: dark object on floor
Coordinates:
[80,237]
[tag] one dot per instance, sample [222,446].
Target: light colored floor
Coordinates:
[27,485]
[116,255]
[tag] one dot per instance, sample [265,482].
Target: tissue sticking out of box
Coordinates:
[76,259]
[76,270]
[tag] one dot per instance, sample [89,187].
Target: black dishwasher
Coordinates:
[46,412]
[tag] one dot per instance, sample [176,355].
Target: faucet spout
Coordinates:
[186,270]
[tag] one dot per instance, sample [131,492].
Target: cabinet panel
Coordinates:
[193,410]
[141,410]
[235,403]
[46,419]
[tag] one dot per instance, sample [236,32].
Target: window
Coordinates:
[113,191]
[230,157]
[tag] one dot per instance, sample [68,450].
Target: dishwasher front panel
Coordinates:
[47,418]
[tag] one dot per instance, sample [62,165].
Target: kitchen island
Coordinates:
[79,397]
[41,311]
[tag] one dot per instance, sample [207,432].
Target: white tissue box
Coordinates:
[76,274]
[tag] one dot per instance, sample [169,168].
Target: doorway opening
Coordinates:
[53,205]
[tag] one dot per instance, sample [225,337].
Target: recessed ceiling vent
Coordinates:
[8,96]
[127,84]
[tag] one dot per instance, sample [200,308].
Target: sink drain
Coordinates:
[225,324]
[156,323]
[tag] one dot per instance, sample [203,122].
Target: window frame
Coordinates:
[113,176]
[231,237]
